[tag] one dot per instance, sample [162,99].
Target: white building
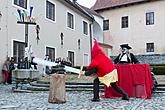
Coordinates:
[66,30]
[140,23]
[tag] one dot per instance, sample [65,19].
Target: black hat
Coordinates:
[125,46]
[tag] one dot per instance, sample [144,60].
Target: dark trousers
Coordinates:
[9,81]
[113,85]
[96,88]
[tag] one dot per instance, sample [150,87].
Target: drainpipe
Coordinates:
[91,38]
[7,33]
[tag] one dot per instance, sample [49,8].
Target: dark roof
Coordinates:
[91,11]
[76,6]
[106,4]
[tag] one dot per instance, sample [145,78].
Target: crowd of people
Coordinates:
[59,60]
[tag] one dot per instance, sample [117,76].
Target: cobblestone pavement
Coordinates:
[75,101]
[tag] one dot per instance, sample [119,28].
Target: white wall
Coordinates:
[138,33]
[49,31]
[98,28]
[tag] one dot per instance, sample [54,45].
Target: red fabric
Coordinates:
[6,75]
[135,79]
[100,61]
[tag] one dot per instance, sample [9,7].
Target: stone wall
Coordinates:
[150,59]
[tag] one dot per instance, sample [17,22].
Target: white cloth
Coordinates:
[124,58]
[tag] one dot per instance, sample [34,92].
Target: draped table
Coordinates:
[135,79]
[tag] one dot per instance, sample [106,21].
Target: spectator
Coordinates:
[5,70]
[11,68]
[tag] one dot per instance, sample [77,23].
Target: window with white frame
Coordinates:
[106,25]
[70,20]
[50,10]
[150,47]
[21,3]
[85,28]
[51,53]
[124,22]
[18,51]
[71,57]
[86,60]
[150,18]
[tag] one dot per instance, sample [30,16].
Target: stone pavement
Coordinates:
[75,101]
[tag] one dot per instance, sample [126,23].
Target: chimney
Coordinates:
[74,1]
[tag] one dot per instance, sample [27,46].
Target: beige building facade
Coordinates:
[140,24]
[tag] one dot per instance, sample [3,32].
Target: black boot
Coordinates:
[95,100]
[120,91]
[96,91]
[125,97]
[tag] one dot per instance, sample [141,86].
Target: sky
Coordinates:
[86,3]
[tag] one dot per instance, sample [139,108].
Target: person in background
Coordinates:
[47,68]
[104,70]
[5,70]
[11,68]
[125,57]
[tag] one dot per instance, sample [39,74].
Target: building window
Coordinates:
[86,60]
[124,22]
[21,3]
[70,20]
[71,57]
[85,27]
[150,47]
[18,51]
[150,18]
[51,53]
[50,10]
[106,25]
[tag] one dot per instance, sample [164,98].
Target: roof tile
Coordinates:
[103,4]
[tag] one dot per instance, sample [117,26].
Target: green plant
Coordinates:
[158,69]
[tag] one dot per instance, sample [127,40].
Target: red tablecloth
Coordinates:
[135,79]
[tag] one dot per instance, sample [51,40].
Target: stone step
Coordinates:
[40,84]
[82,86]
[82,89]
[22,91]
[35,88]
[157,91]
[160,85]
[79,86]
[160,88]
[68,85]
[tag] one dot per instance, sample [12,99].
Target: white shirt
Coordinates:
[124,58]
